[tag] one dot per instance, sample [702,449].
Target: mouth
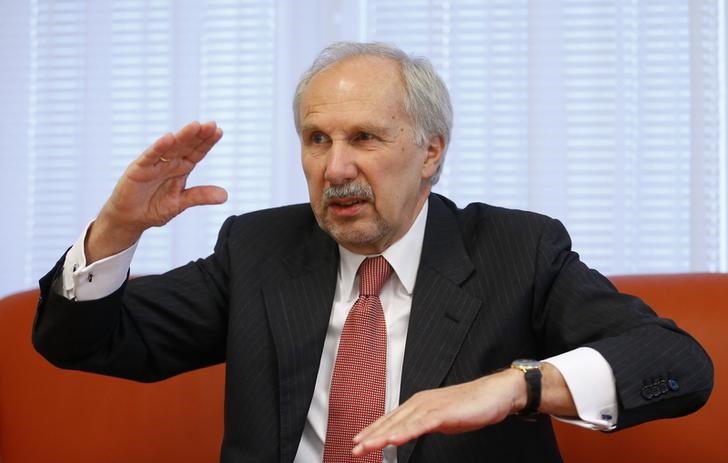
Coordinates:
[346,207]
[347,202]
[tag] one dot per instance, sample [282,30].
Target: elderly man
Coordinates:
[378,293]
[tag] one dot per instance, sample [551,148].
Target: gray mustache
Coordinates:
[348,190]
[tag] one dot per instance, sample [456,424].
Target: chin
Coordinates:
[358,240]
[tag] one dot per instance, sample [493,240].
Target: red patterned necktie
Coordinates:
[358,385]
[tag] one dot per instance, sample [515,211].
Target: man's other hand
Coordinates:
[464,407]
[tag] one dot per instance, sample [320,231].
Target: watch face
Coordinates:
[526,364]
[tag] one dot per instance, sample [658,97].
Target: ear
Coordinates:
[433,156]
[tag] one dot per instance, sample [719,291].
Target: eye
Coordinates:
[364,136]
[318,138]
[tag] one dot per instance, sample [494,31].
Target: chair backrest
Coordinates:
[53,415]
[699,304]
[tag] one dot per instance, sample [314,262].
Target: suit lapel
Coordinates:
[298,303]
[442,311]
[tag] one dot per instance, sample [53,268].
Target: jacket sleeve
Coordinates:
[151,328]
[659,369]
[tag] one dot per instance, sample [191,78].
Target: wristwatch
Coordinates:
[532,372]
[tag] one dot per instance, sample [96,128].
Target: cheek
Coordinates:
[314,179]
[310,166]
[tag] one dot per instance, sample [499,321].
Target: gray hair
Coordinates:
[426,98]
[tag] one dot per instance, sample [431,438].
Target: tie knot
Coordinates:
[373,272]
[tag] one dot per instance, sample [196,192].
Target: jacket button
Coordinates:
[673,384]
[663,386]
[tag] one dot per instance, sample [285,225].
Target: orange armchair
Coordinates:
[699,304]
[52,415]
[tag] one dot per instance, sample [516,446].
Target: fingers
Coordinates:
[191,142]
[152,155]
[201,150]
[194,141]
[191,137]
[453,409]
[408,422]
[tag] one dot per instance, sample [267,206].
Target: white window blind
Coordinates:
[56,122]
[14,157]
[606,115]
[238,91]
[708,188]
[143,98]
[602,114]
[626,132]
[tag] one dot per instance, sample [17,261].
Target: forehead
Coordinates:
[362,84]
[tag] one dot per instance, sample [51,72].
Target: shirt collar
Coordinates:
[403,256]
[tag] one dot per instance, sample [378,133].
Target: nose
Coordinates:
[340,164]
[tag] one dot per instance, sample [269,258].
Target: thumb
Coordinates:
[202,195]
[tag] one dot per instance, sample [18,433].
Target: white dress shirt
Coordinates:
[587,374]
[396,297]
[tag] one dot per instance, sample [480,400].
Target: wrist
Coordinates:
[517,386]
[103,239]
[530,372]
[556,397]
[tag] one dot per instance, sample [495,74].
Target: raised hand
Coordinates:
[153,190]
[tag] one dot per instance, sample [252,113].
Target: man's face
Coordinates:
[367,179]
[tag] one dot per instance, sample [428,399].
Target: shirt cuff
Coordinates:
[103,277]
[591,383]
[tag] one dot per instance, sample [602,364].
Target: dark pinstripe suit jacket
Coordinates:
[493,285]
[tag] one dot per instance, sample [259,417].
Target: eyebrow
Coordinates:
[363,127]
[376,128]
[308,127]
